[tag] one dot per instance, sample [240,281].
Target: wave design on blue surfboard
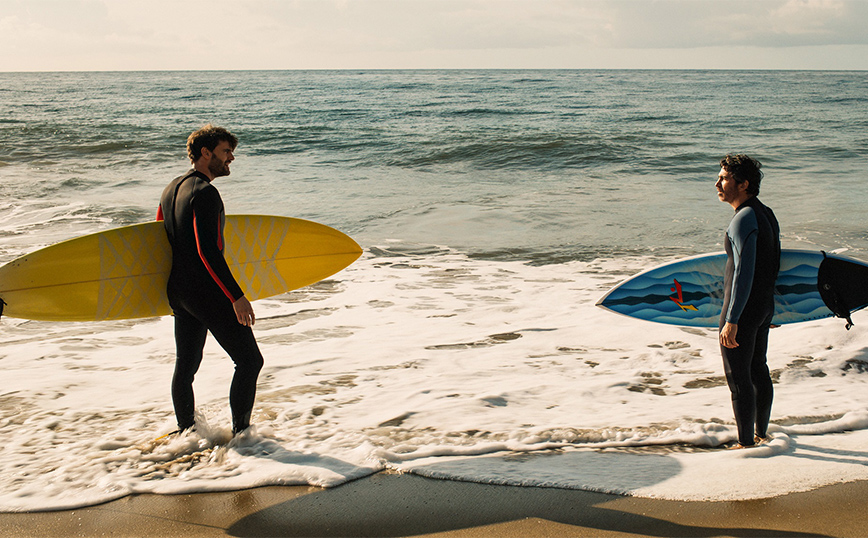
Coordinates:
[689,292]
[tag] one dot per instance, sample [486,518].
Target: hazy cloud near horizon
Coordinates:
[359,34]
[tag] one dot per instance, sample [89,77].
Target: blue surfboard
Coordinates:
[689,292]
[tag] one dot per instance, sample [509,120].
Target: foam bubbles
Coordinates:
[432,363]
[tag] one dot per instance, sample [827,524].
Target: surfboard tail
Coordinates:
[843,286]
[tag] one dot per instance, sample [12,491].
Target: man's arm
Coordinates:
[742,233]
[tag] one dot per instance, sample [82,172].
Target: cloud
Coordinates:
[741,23]
[819,22]
[293,34]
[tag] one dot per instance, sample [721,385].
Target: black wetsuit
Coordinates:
[201,292]
[753,249]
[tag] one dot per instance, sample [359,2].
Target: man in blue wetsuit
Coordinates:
[753,250]
[203,294]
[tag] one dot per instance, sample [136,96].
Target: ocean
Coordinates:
[494,209]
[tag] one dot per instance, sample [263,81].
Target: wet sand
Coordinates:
[389,504]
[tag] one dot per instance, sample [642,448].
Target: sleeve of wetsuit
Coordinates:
[207,225]
[743,234]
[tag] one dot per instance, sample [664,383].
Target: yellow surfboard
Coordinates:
[122,273]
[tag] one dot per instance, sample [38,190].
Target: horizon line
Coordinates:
[375,69]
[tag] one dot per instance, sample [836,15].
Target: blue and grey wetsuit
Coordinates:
[753,251]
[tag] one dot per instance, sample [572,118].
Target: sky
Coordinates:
[132,35]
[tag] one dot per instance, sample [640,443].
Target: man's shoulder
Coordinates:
[756,204]
[746,210]
[764,212]
[191,186]
[190,175]
[203,192]
[199,181]
[745,220]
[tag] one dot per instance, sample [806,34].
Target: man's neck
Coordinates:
[203,169]
[740,201]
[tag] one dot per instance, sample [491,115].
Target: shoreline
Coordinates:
[393,504]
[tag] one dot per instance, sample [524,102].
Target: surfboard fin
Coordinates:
[2,306]
[843,286]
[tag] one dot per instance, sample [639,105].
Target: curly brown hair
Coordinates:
[208,137]
[744,168]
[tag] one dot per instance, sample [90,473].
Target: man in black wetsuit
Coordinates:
[753,249]
[203,294]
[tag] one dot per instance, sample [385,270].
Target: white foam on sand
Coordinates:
[437,364]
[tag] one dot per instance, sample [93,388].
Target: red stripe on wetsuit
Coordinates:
[205,260]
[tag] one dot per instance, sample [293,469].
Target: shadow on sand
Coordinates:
[407,505]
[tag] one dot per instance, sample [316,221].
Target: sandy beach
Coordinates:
[389,504]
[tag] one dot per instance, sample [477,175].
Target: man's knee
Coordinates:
[246,356]
[251,364]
